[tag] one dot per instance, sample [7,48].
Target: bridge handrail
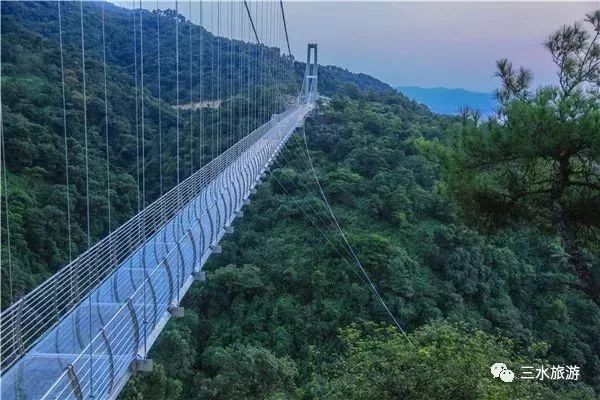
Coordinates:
[24,322]
[76,374]
[74,367]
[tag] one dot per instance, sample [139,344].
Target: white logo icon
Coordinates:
[500,370]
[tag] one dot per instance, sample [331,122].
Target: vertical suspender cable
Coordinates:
[258,72]
[4,177]
[256,63]
[249,78]
[280,64]
[280,57]
[219,94]
[264,55]
[231,138]
[275,52]
[270,21]
[143,140]
[212,78]
[265,27]
[160,166]
[177,123]
[87,191]
[260,22]
[6,208]
[240,69]
[263,61]
[248,66]
[240,74]
[275,99]
[106,134]
[267,37]
[65,137]
[201,88]
[230,79]
[191,97]
[137,131]
[253,62]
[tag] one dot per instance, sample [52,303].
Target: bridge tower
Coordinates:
[310,92]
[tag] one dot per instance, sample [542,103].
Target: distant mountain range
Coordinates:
[448,101]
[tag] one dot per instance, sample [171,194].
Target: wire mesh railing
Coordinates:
[26,320]
[98,368]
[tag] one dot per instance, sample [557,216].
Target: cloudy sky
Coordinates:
[452,44]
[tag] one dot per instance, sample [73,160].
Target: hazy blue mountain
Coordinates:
[447,101]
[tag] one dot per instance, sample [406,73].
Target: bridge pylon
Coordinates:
[309,92]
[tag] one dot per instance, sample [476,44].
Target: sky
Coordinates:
[428,44]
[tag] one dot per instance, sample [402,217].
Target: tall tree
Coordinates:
[538,162]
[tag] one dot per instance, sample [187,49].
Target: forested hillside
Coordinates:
[34,128]
[481,236]
[283,316]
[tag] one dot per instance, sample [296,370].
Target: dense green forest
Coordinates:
[34,127]
[283,316]
[480,244]
[474,280]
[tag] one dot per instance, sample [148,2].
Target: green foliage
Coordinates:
[245,372]
[282,315]
[34,128]
[443,361]
[538,165]
[281,287]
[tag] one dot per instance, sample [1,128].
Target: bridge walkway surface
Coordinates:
[83,332]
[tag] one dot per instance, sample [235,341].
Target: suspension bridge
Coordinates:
[84,331]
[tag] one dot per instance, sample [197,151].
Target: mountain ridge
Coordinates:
[443,100]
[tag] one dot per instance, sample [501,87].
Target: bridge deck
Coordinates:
[91,348]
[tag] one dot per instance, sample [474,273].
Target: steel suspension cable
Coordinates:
[201,88]
[137,131]
[305,213]
[213,80]
[310,192]
[228,120]
[240,89]
[287,38]
[267,33]
[262,64]
[65,135]
[191,94]
[258,102]
[274,100]
[248,64]
[231,138]
[177,123]
[219,94]
[354,256]
[4,186]
[2,169]
[159,100]
[318,215]
[251,22]
[87,186]
[255,62]
[143,139]
[106,126]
